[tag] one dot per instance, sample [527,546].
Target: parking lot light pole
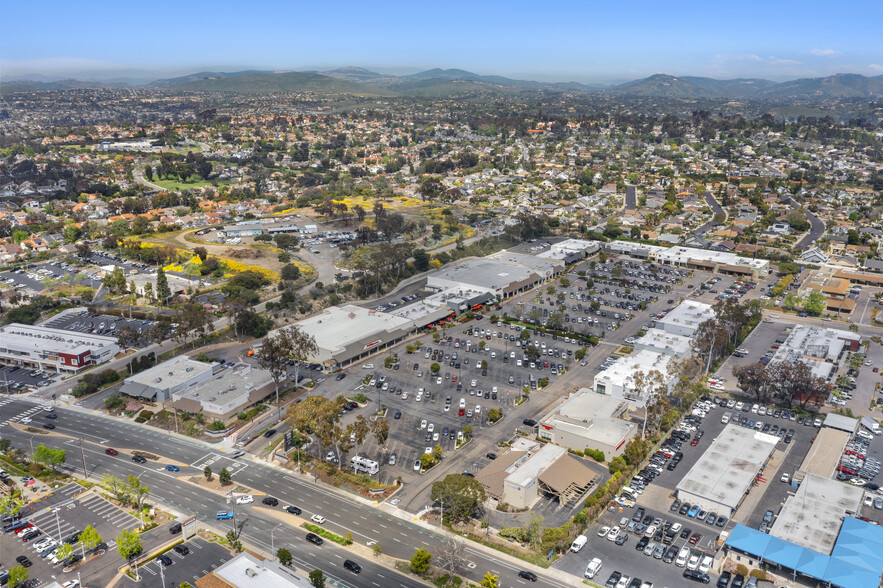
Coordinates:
[57,523]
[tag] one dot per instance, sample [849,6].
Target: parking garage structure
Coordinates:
[726,472]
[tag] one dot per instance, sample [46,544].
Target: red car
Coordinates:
[110,451]
[876,370]
[461,412]
[694,538]
[695,441]
[28,526]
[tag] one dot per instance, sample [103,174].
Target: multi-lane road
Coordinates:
[395,531]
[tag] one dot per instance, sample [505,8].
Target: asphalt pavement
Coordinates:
[398,535]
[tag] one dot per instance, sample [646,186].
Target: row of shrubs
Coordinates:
[595,454]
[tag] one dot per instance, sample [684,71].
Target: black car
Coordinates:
[398,415]
[28,535]
[491,456]
[352,566]
[269,500]
[642,543]
[175,529]
[697,576]
[724,580]
[165,559]
[315,539]
[293,510]
[24,561]
[738,581]
[50,415]
[181,549]
[529,422]
[527,575]
[270,433]
[49,426]
[612,580]
[340,376]
[139,459]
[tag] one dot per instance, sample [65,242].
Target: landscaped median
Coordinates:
[325,534]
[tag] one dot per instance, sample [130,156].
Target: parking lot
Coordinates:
[105,259]
[460,393]
[201,558]
[19,379]
[657,498]
[35,277]
[100,324]
[61,517]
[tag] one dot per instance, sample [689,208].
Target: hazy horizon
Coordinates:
[553,42]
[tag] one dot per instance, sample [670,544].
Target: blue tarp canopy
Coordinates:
[855,562]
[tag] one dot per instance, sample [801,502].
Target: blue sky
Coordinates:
[560,40]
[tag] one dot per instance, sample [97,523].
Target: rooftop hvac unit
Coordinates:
[157,380]
[189,369]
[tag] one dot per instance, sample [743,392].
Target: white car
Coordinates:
[423,424]
[248,499]
[71,584]
[693,563]
[705,565]
[319,520]
[593,568]
[602,532]
[683,554]
[430,428]
[438,380]
[614,532]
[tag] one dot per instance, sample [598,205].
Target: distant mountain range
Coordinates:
[442,83]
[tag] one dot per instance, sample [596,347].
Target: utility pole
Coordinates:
[83,455]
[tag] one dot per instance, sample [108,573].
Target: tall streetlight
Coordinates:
[272,541]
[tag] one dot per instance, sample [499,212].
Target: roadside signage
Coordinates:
[188,527]
[289,441]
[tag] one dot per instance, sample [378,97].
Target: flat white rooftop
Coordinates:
[171,373]
[338,326]
[15,336]
[247,571]
[813,516]
[664,342]
[689,314]
[728,467]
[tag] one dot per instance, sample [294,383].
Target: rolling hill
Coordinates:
[270,82]
[459,83]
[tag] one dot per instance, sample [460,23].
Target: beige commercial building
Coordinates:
[588,420]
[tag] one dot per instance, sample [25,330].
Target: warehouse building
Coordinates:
[174,376]
[588,420]
[618,379]
[38,347]
[724,474]
[685,318]
[818,347]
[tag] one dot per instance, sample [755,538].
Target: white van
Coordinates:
[578,543]
[725,418]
